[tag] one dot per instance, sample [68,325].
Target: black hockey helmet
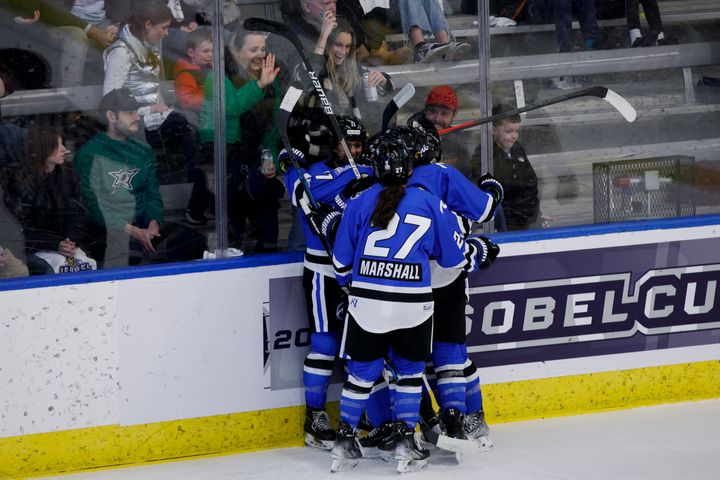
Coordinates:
[426,141]
[387,152]
[352,129]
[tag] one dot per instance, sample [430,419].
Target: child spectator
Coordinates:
[520,209]
[190,73]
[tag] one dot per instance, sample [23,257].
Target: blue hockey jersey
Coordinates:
[326,184]
[389,270]
[461,196]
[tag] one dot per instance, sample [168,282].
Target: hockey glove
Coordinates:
[358,185]
[488,183]
[325,222]
[285,161]
[487,251]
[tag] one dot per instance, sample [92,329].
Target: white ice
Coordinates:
[667,442]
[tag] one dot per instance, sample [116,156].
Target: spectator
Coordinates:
[95,12]
[44,195]
[342,76]
[425,16]
[190,73]
[12,137]
[654,36]
[134,61]
[118,176]
[441,106]
[12,251]
[562,11]
[36,21]
[10,266]
[312,24]
[252,100]
[521,206]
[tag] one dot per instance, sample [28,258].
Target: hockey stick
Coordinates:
[262,25]
[614,99]
[397,102]
[286,107]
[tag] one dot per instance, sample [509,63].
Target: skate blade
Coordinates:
[407,466]
[313,442]
[485,443]
[342,464]
[370,452]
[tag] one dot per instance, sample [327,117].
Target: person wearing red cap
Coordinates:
[441,106]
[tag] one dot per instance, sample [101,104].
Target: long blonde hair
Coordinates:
[345,75]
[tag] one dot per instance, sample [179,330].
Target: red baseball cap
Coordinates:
[443,96]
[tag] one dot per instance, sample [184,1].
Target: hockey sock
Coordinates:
[473,392]
[378,406]
[449,360]
[408,391]
[318,367]
[357,388]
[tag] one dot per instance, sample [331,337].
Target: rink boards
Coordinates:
[151,364]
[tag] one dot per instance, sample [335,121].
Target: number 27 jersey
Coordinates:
[388,270]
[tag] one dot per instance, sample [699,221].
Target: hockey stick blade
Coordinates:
[613,98]
[621,105]
[451,444]
[397,102]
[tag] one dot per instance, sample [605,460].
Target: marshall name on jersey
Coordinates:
[411,272]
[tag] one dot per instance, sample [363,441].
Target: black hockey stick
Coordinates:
[262,25]
[614,99]
[397,102]
[286,107]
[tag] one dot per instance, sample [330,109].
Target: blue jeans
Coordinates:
[425,14]
[563,20]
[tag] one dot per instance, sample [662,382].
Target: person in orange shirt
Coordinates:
[190,73]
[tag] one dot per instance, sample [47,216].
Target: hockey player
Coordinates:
[381,252]
[458,383]
[331,181]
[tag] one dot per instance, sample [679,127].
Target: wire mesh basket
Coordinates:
[644,188]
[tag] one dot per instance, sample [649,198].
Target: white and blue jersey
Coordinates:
[461,196]
[326,184]
[388,270]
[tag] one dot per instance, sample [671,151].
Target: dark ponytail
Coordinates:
[386,205]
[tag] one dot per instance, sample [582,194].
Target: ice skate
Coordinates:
[408,452]
[477,429]
[452,419]
[318,432]
[346,451]
[429,421]
[380,442]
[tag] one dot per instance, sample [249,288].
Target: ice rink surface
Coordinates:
[667,442]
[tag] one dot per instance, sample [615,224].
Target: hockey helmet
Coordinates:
[352,129]
[387,152]
[426,142]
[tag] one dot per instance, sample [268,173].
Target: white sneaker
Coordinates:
[431,52]
[457,51]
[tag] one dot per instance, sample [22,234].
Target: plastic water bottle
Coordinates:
[266,161]
[371,94]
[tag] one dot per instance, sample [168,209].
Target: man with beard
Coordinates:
[119,181]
